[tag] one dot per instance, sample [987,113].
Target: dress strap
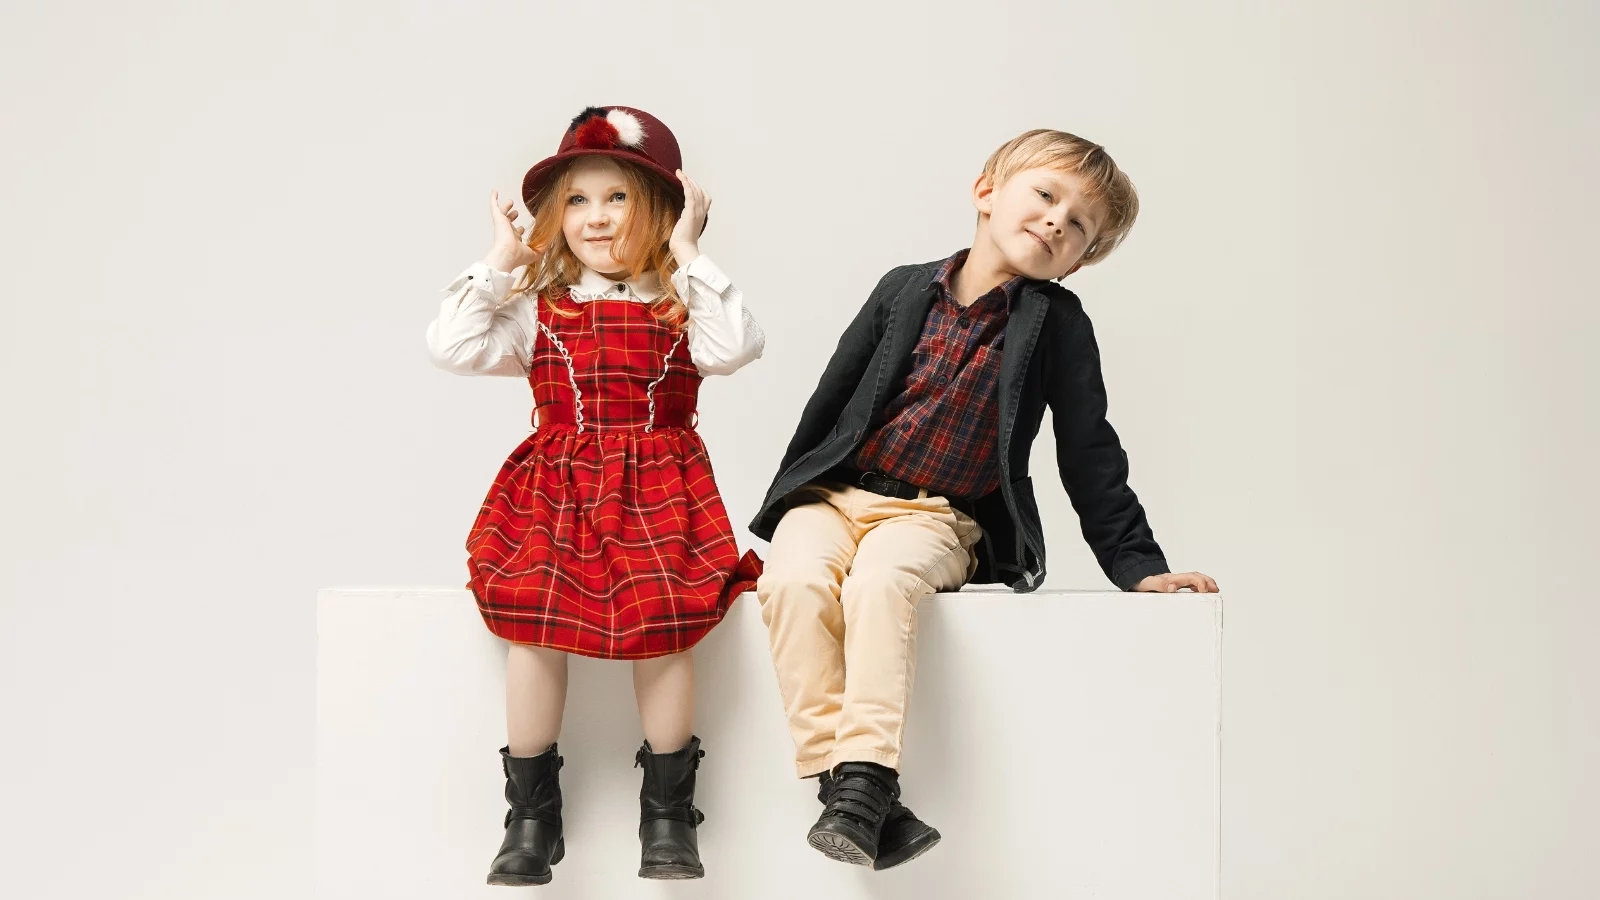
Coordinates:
[666,366]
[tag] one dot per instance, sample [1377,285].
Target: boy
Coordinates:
[908,473]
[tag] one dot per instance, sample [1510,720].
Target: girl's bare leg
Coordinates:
[536,695]
[664,689]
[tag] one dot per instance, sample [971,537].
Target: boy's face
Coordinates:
[1039,221]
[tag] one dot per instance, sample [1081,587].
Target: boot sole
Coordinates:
[521,880]
[672,873]
[532,880]
[836,846]
[910,851]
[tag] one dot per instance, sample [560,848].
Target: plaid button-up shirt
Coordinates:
[942,431]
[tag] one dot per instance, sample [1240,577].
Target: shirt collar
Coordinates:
[595,286]
[944,279]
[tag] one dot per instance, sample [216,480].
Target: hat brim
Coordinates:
[537,176]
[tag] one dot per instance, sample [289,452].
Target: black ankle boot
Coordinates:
[533,824]
[904,836]
[851,824]
[668,847]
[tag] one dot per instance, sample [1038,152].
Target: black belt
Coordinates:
[879,483]
[876,482]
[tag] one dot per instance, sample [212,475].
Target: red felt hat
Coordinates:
[619,131]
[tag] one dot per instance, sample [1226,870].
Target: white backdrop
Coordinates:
[1349,348]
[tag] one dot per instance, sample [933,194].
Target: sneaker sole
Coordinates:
[838,847]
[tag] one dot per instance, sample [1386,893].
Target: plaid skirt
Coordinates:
[606,543]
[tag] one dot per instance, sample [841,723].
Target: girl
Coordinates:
[603,534]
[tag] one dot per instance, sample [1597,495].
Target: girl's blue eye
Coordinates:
[618,196]
[575,200]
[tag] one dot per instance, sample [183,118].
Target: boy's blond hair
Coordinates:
[1106,184]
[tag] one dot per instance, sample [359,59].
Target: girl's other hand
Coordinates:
[685,240]
[1172,583]
[510,249]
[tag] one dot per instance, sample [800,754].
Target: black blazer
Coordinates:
[1049,357]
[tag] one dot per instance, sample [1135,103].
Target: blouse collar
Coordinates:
[595,286]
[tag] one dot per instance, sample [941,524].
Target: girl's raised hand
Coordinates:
[509,249]
[685,240]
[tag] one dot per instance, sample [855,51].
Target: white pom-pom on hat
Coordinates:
[629,129]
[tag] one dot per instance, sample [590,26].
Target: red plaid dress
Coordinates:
[604,534]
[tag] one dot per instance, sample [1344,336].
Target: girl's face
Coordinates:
[595,203]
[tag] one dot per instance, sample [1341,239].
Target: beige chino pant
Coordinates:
[839,595]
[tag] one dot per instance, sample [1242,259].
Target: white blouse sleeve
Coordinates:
[477,331]
[723,336]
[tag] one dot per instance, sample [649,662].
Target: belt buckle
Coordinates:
[890,486]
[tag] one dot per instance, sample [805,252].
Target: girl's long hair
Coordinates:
[640,245]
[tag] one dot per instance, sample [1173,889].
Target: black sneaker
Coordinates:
[904,837]
[858,800]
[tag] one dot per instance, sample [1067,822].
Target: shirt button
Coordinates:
[622,287]
[942,380]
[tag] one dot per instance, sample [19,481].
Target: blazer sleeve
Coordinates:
[1094,467]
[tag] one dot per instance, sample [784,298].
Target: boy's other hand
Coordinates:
[1176,581]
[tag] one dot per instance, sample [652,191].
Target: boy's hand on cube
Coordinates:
[1173,582]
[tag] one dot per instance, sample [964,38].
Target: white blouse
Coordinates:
[480,332]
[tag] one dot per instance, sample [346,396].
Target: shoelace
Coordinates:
[860,798]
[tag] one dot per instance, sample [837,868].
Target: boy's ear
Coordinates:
[983,195]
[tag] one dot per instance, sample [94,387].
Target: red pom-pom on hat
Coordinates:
[596,134]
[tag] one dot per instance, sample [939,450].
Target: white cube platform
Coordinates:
[1066,744]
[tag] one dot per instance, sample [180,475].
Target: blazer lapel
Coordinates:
[906,317]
